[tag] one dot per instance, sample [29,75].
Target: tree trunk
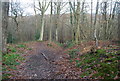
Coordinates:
[42,29]
[104,19]
[56,34]
[119,21]
[36,21]
[5,9]
[91,27]
[43,6]
[57,19]
[95,29]
[0,26]
[50,34]
[77,38]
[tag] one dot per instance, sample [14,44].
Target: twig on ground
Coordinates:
[45,56]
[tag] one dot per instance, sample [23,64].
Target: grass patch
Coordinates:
[59,44]
[10,61]
[73,53]
[49,44]
[11,49]
[67,44]
[21,46]
[104,64]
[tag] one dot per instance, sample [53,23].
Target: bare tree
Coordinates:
[76,20]
[51,16]
[35,15]
[57,11]
[91,19]
[104,18]
[43,6]
[5,10]
[95,27]
[0,26]
[118,21]
[16,11]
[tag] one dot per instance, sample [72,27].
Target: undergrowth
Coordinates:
[101,64]
[67,44]
[11,60]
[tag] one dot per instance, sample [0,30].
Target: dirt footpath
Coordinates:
[41,63]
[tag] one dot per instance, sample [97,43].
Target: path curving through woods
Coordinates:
[41,62]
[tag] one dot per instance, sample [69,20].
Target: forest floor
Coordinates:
[50,61]
[40,62]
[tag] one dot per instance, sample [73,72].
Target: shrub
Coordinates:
[21,46]
[73,53]
[10,61]
[11,49]
[101,51]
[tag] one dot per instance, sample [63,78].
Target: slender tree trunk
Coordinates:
[0,26]
[73,19]
[119,22]
[42,28]
[56,31]
[50,35]
[78,23]
[91,19]
[43,6]
[56,34]
[5,9]
[17,29]
[36,25]
[57,19]
[104,16]
[71,23]
[1,39]
[95,27]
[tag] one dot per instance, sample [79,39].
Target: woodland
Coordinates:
[55,39]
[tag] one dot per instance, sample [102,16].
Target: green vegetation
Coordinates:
[11,49]
[49,44]
[73,53]
[29,48]
[67,44]
[59,44]
[100,64]
[21,46]
[10,61]
[10,38]
[37,34]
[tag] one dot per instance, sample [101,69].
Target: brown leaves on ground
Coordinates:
[67,68]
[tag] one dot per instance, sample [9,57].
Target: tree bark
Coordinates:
[91,20]
[104,17]
[119,22]
[36,25]
[43,6]
[77,38]
[5,9]
[95,29]
[0,26]
[42,29]
[50,34]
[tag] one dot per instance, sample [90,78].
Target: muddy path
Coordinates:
[41,63]
[50,62]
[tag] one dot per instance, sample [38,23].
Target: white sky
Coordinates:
[27,4]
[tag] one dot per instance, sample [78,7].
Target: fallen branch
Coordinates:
[44,56]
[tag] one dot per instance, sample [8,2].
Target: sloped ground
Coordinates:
[50,61]
[72,68]
[41,62]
